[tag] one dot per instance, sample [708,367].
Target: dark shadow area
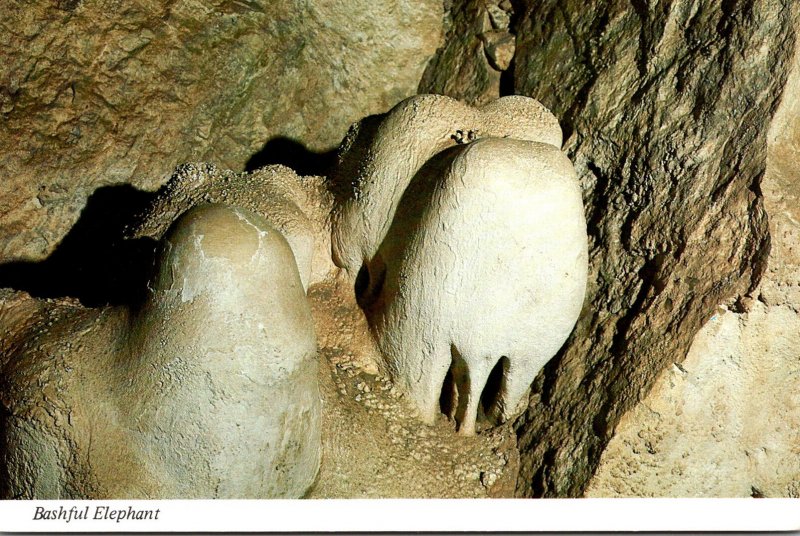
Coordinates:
[94,262]
[494,393]
[448,398]
[293,154]
[362,283]
[369,284]
[462,382]
[507,80]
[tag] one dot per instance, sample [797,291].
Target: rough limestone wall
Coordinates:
[477,51]
[665,108]
[726,422]
[100,92]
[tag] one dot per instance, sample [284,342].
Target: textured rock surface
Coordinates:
[99,92]
[665,110]
[233,407]
[403,457]
[478,48]
[664,106]
[726,422]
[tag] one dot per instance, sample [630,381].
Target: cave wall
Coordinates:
[101,92]
[726,421]
[665,108]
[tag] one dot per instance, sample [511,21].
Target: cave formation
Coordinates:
[675,121]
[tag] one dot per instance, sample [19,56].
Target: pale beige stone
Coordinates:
[482,273]
[207,390]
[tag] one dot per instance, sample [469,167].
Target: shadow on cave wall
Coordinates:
[293,154]
[94,262]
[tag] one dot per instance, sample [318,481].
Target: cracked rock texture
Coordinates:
[100,92]
[477,49]
[726,422]
[665,109]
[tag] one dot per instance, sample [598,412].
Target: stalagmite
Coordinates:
[483,269]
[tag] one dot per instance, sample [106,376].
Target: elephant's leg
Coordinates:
[514,385]
[477,369]
[423,377]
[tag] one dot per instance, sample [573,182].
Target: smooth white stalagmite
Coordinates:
[223,363]
[484,266]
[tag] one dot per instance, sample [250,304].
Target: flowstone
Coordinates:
[175,398]
[482,277]
[250,370]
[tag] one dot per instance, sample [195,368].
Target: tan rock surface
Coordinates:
[723,423]
[477,49]
[480,278]
[665,108]
[726,421]
[209,389]
[297,206]
[101,92]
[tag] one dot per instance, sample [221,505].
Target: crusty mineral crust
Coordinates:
[296,206]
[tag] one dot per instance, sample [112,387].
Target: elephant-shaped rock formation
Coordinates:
[465,232]
[462,231]
[480,278]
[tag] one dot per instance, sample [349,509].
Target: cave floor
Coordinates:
[374,445]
